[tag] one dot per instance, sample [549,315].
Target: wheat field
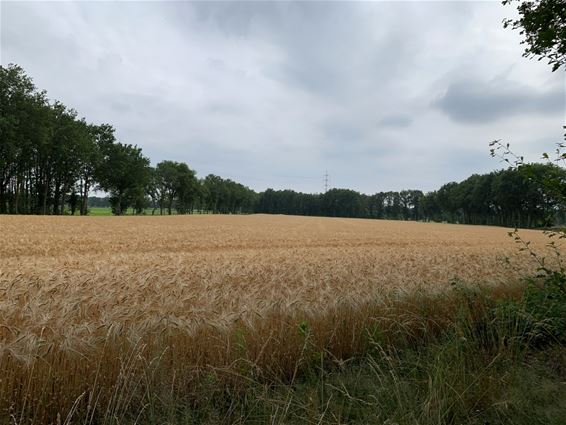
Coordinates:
[98,312]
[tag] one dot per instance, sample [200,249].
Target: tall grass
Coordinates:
[123,377]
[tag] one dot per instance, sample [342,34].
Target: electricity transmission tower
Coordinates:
[325,181]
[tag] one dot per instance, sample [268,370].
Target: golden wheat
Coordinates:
[89,303]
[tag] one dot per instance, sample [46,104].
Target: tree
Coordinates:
[68,153]
[175,184]
[152,190]
[19,105]
[168,176]
[99,137]
[187,188]
[123,171]
[542,23]
[212,186]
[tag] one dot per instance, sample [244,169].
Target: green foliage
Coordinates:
[304,329]
[542,23]
[539,318]
[49,157]
[123,172]
[241,342]
[544,308]
[541,313]
[374,335]
[225,196]
[173,184]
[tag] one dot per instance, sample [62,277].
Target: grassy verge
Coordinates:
[103,211]
[448,382]
[107,211]
[471,355]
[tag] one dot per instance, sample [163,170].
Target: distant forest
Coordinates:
[51,160]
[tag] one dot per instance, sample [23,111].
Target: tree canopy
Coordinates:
[511,197]
[50,158]
[542,23]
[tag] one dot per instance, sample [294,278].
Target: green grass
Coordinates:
[99,211]
[449,382]
[454,380]
[107,211]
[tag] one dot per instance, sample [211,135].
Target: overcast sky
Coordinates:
[384,95]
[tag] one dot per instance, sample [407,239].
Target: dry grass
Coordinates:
[106,313]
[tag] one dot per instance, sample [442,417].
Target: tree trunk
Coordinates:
[84,200]
[2,197]
[45,191]
[17,198]
[56,195]
[29,186]
[66,188]
[119,206]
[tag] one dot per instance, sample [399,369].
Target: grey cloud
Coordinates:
[400,121]
[346,143]
[274,93]
[220,108]
[120,107]
[233,18]
[475,101]
[323,46]
[342,132]
[110,61]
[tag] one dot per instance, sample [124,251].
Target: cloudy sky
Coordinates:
[383,95]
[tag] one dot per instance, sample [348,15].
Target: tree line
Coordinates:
[513,197]
[51,160]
